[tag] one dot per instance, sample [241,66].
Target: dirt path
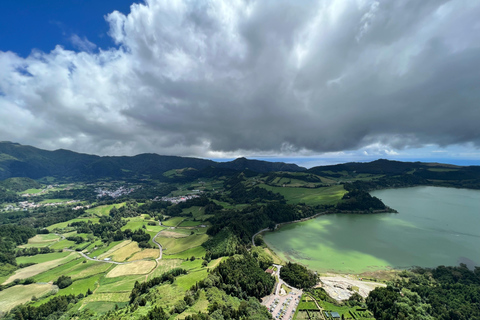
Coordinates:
[341,287]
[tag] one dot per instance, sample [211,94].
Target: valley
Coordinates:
[185,244]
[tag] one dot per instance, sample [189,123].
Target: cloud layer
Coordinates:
[213,78]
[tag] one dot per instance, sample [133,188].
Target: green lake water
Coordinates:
[434,226]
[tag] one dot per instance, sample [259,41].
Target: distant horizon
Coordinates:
[303,161]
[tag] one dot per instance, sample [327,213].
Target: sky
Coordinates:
[311,82]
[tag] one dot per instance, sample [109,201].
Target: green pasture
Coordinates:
[119,284]
[55,201]
[185,282]
[39,258]
[172,245]
[197,252]
[317,196]
[53,273]
[155,229]
[81,285]
[63,225]
[30,191]
[104,210]
[192,265]
[134,223]
[101,307]
[173,222]
[190,223]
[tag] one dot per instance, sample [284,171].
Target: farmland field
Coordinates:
[39,268]
[173,246]
[139,267]
[14,296]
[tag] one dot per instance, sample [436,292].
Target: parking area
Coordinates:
[282,307]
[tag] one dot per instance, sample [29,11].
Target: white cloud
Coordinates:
[82,44]
[222,78]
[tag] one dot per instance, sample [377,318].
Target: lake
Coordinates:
[434,226]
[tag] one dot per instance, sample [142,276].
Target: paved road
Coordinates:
[159,246]
[160,249]
[253,237]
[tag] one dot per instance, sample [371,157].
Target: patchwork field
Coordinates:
[39,268]
[112,250]
[125,252]
[139,267]
[14,296]
[145,254]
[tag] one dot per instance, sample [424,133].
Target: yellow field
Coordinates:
[43,238]
[164,266]
[172,234]
[125,252]
[117,247]
[146,253]
[139,267]
[14,296]
[39,268]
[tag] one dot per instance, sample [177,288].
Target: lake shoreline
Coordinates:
[436,227]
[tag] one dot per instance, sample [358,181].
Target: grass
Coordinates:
[197,252]
[325,195]
[185,282]
[81,285]
[192,265]
[173,222]
[103,306]
[104,210]
[124,284]
[55,201]
[173,246]
[190,223]
[16,295]
[55,272]
[63,225]
[40,258]
[134,223]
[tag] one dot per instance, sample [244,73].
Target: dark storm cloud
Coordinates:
[212,78]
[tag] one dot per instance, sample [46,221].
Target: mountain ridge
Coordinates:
[18,160]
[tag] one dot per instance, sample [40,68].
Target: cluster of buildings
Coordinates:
[114,194]
[26,205]
[176,200]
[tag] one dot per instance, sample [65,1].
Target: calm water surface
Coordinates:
[434,226]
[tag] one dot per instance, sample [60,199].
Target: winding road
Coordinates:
[160,249]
